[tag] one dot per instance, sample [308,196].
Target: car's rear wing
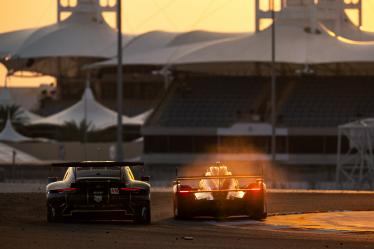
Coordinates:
[181,189]
[97,164]
[216,177]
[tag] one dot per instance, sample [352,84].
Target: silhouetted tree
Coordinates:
[14,112]
[71,131]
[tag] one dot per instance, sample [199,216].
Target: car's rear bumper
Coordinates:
[220,206]
[217,207]
[70,204]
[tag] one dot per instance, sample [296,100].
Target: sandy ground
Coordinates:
[23,225]
[352,221]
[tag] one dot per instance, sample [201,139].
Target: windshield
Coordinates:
[82,172]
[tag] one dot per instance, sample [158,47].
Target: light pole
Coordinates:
[86,123]
[119,148]
[273,88]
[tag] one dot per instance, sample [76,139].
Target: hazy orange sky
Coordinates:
[145,15]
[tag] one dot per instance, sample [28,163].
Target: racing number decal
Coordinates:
[114,191]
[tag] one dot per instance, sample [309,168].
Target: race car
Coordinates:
[99,189]
[219,194]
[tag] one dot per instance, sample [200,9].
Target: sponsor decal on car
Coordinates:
[114,191]
[98,198]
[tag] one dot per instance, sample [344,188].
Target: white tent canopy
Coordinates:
[350,31]
[197,36]
[11,41]
[293,45]
[343,25]
[82,38]
[78,36]
[9,134]
[303,36]
[85,35]
[142,117]
[147,42]
[165,48]
[95,114]
[332,13]
[142,44]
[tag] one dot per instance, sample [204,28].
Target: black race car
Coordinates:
[99,189]
[219,194]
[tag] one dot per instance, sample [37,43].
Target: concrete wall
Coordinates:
[75,151]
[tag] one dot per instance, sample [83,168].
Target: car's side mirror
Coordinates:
[52,179]
[145,178]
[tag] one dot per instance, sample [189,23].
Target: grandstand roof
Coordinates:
[332,13]
[293,45]
[199,36]
[148,41]
[85,37]
[162,48]
[345,27]
[11,41]
[84,34]
[350,31]
[296,43]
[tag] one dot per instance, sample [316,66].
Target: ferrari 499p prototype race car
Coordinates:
[96,189]
[219,194]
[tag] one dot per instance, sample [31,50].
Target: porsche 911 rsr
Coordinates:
[96,189]
[219,194]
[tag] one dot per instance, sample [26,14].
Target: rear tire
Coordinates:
[143,214]
[180,215]
[52,215]
[180,212]
[260,212]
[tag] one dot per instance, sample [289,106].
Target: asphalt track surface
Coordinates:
[23,225]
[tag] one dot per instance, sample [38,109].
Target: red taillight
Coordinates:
[130,189]
[254,189]
[66,190]
[184,191]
